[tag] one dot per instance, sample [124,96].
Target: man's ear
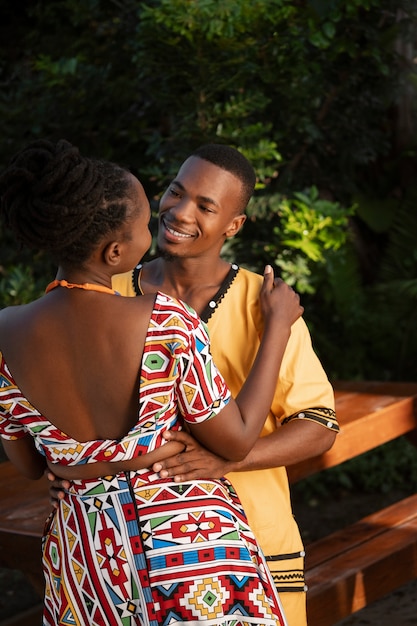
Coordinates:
[112,253]
[235,225]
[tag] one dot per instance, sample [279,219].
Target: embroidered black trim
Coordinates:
[289,582]
[281,589]
[322,415]
[285,557]
[218,297]
[214,302]
[135,279]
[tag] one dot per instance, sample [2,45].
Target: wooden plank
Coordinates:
[377,387]
[356,578]
[322,550]
[24,508]
[370,414]
[24,503]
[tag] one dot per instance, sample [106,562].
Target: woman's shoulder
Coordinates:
[13,316]
[176,307]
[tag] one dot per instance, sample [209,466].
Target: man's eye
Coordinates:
[206,209]
[173,192]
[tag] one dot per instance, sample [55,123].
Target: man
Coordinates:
[202,207]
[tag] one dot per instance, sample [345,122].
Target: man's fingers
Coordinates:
[179,471]
[55,496]
[167,466]
[179,435]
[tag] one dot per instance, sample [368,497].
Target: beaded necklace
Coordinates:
[85,286]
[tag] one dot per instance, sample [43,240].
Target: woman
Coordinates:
[91,382]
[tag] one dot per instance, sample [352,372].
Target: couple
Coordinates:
[101,231]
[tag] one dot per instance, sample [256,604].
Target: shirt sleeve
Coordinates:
[11,429]
[12,406]
[304,391]
[202,391]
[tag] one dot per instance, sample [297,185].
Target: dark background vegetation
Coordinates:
[319,95]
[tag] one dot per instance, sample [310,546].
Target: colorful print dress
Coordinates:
[132,548]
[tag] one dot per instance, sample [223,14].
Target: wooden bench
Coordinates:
[345,571]
[353,567]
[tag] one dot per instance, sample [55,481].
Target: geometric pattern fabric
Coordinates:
[133,548]
[130,549]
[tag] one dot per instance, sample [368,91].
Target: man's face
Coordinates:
[199,210]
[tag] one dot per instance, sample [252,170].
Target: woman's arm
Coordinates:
[61,475]
[24,455]
[104,468]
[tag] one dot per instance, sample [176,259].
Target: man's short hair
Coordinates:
[233,161]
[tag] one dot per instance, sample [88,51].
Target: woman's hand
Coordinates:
[280,304]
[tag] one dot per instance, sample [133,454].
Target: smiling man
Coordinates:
[202,207]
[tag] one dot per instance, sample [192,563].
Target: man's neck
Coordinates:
[195,281]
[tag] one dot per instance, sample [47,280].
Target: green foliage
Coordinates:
[19,287]
[396,289]
[72,64]
[295,233]
[305,86]
[370,318]
[23,274]
[312,225]
[307,90]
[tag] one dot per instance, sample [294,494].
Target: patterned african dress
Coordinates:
[132,548]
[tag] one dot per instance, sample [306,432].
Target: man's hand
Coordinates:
[193,463]
[56,489]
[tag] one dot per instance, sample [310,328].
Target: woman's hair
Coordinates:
[233,161]
[56,200]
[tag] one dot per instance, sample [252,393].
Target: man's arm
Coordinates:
[296,441]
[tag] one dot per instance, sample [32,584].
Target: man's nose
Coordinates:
[183,209]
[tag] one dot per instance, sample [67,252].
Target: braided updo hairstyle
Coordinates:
[56,200]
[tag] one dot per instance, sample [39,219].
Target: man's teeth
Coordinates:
[176,233]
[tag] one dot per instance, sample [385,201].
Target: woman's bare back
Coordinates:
[87,380]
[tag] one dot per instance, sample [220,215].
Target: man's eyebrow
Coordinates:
[200,198]
[208,200]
